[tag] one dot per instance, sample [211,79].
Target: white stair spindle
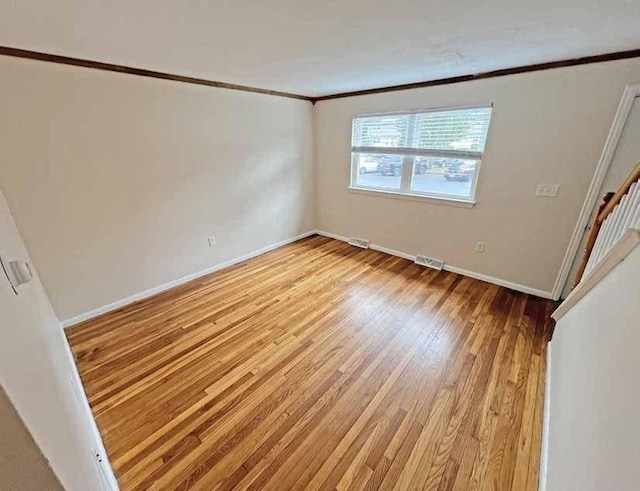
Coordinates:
[622,216]
[610,238]
[595,253]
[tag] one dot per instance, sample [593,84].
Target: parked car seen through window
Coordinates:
[432,153]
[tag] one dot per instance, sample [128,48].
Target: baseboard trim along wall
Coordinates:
[166,286]
[544,454]
[452,269]
[171,284]
[103,465]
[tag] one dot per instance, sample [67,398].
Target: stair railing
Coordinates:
[619,212]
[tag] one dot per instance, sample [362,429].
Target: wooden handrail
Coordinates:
[624,189]
[609,202]
[593,235]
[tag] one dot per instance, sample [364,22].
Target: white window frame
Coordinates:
[405,191]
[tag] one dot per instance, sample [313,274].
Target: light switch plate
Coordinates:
[547,190]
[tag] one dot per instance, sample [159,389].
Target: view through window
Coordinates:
[434,153]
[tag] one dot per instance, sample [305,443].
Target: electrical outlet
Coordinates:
[212,241]
[547,190]
[480,247]
[102,466]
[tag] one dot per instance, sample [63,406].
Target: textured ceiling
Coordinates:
[325,47]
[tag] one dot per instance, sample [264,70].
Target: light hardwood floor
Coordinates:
[321,366]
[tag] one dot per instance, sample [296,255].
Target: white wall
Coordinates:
[116,181]
[625,158]
[594,435]
[36,372]
[547,127]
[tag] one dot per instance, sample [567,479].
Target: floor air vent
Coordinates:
[359,242]
[429,262]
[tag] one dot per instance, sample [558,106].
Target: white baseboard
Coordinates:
[166,286]
[500,282]
[544,454]
[104,469]
[453,269]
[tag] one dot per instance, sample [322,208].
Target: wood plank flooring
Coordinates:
[321,366]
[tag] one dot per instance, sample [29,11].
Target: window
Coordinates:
[435,153]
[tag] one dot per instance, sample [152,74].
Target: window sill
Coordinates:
[446,201]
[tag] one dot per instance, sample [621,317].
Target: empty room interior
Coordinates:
[320,246]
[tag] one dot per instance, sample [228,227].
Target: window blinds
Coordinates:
[458,133]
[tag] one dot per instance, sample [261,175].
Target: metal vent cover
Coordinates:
[429,262]
[363,243]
